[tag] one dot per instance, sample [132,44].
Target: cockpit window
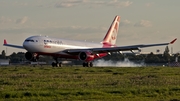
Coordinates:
[29,40]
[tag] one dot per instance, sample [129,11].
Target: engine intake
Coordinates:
[31,56]
[86,56]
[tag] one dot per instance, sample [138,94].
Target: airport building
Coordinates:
[4,62]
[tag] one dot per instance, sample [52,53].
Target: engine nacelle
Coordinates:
[86,56]
[31,56]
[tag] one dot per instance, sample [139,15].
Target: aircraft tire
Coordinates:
[84,64]
[60,64]
[91,64]
[53,64]
[87,64]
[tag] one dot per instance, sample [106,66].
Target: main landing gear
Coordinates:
[87,64]
[56,64]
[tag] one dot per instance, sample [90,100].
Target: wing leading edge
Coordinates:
[10,45]
[114,49]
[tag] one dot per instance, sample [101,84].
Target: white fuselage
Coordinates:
[45,44]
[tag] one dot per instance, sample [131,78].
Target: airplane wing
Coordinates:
[10,45]
[115,49]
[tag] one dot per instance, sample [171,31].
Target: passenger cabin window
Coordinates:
[53,42]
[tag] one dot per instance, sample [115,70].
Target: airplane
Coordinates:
[69,49]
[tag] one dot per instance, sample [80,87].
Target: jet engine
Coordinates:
[31,56]
[86,56]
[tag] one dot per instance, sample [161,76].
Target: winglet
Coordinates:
[173,41]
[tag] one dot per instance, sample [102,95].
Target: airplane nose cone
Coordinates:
[28,46]
[31,46]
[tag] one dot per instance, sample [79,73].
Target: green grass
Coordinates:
[21,83]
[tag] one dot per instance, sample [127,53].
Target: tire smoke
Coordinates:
[125,63]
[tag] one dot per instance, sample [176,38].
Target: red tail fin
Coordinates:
[111,35]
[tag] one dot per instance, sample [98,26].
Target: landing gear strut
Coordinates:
[87,64]
[35,57]
[56,64]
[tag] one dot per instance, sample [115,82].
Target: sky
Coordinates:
[142,21]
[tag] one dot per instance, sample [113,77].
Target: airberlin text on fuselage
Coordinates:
[51,42]
[46,46]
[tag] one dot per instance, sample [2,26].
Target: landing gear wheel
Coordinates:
[53,64]
[87,64]
[56,64]
[60,64]
[84,64]
[91,64]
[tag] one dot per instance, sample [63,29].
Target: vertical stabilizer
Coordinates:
[111,35]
